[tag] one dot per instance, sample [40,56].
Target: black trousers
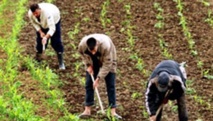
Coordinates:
[182,112]
[109,80]
[56,42]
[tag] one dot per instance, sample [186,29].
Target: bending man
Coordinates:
[167,82]
[45,18]
[99,57]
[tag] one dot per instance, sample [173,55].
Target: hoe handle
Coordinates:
[43,47]
[99,99]
[161,106]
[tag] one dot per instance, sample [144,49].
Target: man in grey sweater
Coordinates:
[99,57]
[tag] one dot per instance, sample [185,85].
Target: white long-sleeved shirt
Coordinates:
[50,15]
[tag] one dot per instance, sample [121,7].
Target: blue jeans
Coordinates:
[110,83]
[56,42]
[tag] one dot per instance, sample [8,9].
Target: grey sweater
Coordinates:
[107,50]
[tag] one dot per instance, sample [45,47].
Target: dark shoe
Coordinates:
[38,57]
[61,61]
[84,116]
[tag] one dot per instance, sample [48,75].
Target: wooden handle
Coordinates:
[99,99]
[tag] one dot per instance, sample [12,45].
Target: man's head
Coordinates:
[92,45]
[35,10]
[163,81]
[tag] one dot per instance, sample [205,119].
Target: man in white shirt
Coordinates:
[45,18]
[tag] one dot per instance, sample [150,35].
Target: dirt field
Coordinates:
[131,81]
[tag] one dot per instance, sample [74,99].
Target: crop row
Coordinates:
[15,106]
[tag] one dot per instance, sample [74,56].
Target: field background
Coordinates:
[144,32]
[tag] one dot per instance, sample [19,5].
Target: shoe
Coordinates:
[116,116]
[84,116]
[61,61]
[62,67]
[38,57]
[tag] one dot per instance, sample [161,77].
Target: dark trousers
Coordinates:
[110,84]
[56,42]
[182,112]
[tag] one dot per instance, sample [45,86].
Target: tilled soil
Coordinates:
[131,82]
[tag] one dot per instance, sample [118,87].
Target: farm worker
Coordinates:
[99,57]
[45,18]
[167,82]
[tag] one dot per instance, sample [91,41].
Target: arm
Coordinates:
[182,112]
[32,21]
[85,58]
[150,98]
[35,25]
[51,26]
[52,29]
[106,64]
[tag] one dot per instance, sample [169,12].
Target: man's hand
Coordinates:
[152,118]
[95,84]
[90,70]
[44,40]
[41,34]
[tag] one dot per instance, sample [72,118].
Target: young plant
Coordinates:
[205,3]
[160,25]
[103,18]
[159,17]
[207,75]
[200,65]
[209,18]
[185,28]
[76,30]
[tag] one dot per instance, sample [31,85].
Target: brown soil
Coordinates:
[130,80]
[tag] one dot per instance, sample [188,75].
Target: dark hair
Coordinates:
[33,7]
[91,43]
